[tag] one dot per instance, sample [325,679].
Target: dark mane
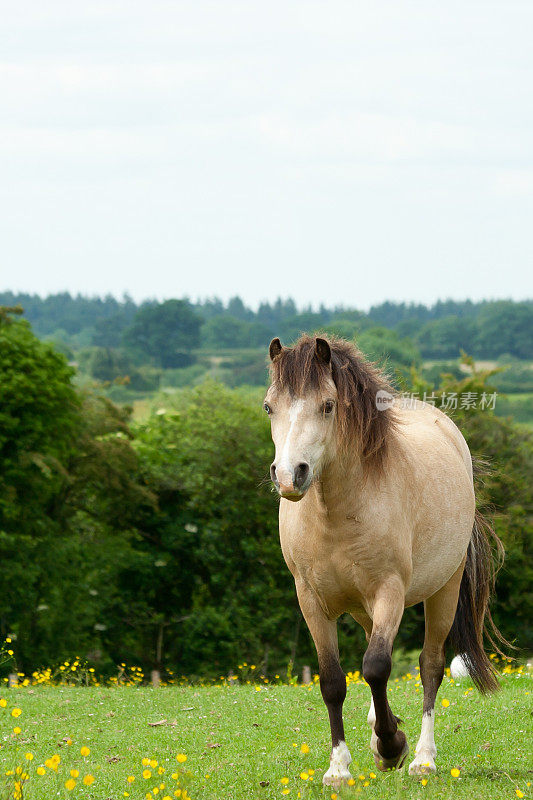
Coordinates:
[299,370]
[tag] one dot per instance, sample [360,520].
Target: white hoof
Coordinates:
[336,780]
[338,771]
[423,764]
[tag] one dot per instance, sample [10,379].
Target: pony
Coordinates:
[377,513]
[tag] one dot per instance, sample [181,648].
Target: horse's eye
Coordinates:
[267,408]
[329,405]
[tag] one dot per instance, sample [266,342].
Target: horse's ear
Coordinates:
[275,349]
[323,350]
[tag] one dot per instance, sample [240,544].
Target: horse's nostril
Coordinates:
[273,473]
[300,474]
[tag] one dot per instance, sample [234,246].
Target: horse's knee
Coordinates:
[377,664]
[333,684]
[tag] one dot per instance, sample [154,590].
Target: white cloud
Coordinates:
[227,136]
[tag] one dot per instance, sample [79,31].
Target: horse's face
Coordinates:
[303,431]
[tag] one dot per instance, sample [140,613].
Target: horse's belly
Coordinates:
[435,561]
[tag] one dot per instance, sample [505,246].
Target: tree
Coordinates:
[68,496]
[38,420]
[446,337]
[224,594]
[226,332]
[389,349]
[166,333]
[505,327]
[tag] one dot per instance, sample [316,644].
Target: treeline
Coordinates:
[156,543]
[167,333]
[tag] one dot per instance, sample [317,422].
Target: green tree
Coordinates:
[226,332]
[68,500]
[39,418]
[504,327]
[389,349]
[446,337]
[166,333]
[231,596]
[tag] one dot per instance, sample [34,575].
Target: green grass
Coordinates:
[247,740]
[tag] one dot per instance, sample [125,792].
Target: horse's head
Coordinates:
[302,421]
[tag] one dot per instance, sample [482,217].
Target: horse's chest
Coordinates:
[331,569]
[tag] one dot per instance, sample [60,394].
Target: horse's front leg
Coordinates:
[332,681]
[389,744]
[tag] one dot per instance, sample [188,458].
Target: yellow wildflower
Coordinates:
[3,702]
[304,748]
[16,712]
[130,778]
[146,774]
[304,776]
[284,781]
[88,780]
[181,758]
[29,756]
[455,772]
[41,771]
[74,773]
[70,784]
[519,793]
[85,751]
[445,703]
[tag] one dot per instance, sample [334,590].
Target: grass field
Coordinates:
[241,741]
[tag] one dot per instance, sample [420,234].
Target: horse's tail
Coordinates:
[473,617]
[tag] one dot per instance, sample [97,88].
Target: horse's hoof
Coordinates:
[397,762]
[336,781]
[338,772]
[421,767]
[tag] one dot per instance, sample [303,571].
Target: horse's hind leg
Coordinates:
[332,682]
[389,744]
[439,612]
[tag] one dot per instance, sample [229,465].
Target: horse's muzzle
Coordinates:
[291,485]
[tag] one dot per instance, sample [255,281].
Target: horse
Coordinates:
[377,513]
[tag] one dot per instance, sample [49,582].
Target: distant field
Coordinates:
[241,741]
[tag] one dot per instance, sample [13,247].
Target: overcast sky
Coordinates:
[338,152]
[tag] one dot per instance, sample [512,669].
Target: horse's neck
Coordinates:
[339,480]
